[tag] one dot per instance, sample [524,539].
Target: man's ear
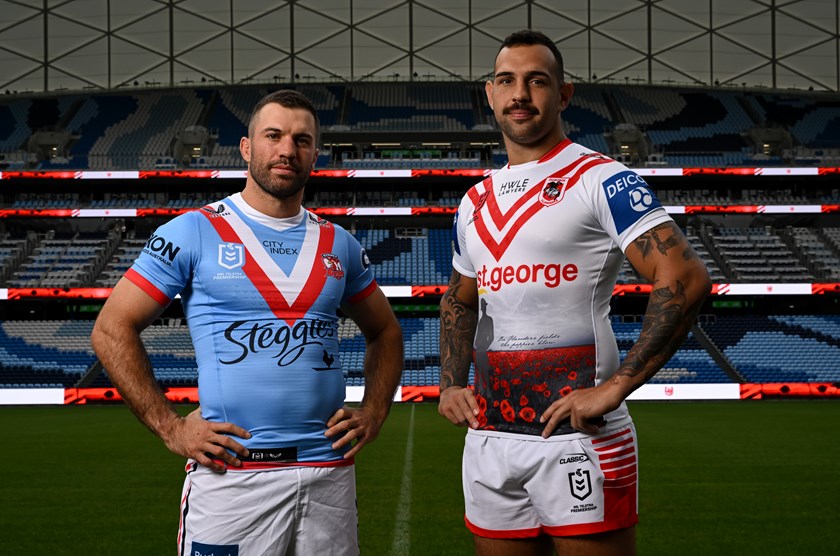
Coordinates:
[245,149]
[488,90]
[567,89]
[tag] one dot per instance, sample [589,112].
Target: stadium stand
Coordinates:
[680,127]
[691,127]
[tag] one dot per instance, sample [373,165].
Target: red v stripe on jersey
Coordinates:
[497,249]
[501,220]
[268,289]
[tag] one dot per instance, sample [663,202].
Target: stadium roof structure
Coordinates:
[56,45]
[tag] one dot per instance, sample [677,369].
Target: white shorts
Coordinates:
[519,486]
[287,510]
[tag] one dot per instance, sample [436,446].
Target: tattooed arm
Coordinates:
[680,285]
[458,319]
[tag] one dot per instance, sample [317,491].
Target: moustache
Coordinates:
[520,106]
[283,161]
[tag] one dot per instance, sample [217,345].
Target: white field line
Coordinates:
[402,531]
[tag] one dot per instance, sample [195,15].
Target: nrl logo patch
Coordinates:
[333,265]
[553,191]
[580,484]
[231,255]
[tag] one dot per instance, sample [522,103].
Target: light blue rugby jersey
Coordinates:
[260,295]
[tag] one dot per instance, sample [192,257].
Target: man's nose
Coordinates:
[521,93]
[286,146]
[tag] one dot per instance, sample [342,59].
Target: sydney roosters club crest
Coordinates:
[553,191]
[333,265]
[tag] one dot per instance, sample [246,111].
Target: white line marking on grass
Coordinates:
[402,526]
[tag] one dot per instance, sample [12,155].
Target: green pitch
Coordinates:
[722,478]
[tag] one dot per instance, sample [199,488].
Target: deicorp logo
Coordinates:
[629,197]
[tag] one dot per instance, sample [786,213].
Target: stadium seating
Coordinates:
[44,353]
[684,127]
[780,348]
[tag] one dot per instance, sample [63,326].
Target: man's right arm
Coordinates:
[458,320]
[116,341]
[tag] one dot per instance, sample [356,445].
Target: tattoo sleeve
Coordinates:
[457,331]
[672,308]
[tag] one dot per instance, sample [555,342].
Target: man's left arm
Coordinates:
[680,285]
[383,369]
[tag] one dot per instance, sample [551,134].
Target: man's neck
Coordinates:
[262,202]
[522,154]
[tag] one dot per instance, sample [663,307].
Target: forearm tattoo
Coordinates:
[457,331]
[669,313]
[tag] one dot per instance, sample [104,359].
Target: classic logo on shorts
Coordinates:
[554,191]
[333,265]
[573,458]
[580,484]
[231,255]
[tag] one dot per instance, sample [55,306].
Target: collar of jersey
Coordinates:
[264,219]
[528,164]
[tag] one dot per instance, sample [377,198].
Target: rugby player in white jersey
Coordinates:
[550,459]
[270,468]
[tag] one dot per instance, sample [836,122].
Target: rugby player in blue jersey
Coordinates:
[270,454]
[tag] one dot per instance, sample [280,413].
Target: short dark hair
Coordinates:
[530,37]
[287,98]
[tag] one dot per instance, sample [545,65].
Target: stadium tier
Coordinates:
[420,255]
[201,127]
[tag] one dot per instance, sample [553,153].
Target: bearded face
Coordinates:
[281,150]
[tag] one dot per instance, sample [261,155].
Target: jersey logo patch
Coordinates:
[231,255]
[629,198]
[333,265]
[553,191]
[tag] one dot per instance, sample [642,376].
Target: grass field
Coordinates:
[723,478]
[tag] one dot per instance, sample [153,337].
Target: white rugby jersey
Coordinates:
[545,241]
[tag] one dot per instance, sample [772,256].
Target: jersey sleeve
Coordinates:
[165,265]
[360,280]
[625,204]
[460,257]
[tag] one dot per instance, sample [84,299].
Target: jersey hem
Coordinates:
[268,466]
[554,531]
[614,426]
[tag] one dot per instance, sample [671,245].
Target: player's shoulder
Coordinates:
[608,172]
[312,219]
